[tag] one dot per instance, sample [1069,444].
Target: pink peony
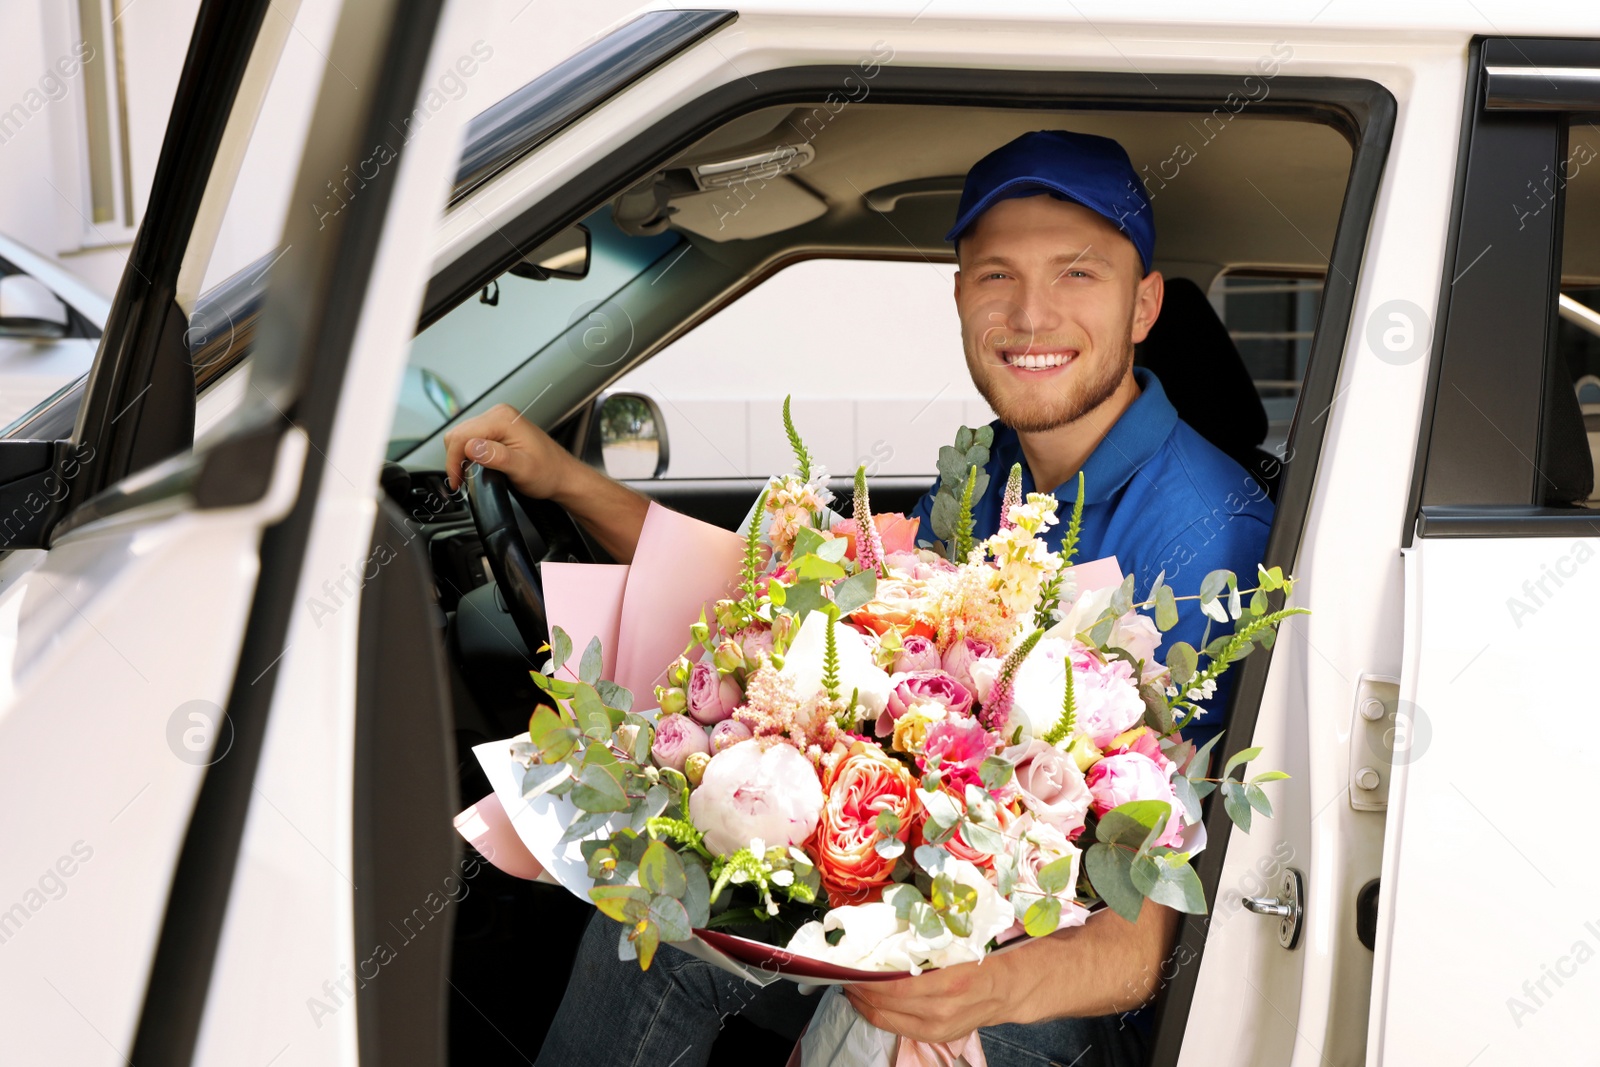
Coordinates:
[753,642]
[959,745]
[1129,776]
[1052,787]
[712,696]
[923,687]
[917,653]
[728,732]
[677,736]
[750,793]
[959,658]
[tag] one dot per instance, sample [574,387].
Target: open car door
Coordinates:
[178,734]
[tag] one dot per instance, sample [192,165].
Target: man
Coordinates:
[1054,240]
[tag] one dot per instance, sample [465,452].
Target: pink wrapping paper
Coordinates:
[1096,574]
[680,566]
[585,600]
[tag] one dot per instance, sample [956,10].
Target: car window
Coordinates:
[1271,318]
[869,349]
[464,354]
[1576,364]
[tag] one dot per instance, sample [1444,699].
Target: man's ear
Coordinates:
[1147,304]
[958,287]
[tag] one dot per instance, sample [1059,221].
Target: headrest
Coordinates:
[1199,366]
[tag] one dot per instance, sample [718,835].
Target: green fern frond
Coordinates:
[752,551]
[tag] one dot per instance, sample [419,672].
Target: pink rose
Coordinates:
[728,732]
[917,653]
[1052,787]
[959,745]
[923,687]
[712,696]
[1129,776]
[677,737]
[959,658]
[1036,845]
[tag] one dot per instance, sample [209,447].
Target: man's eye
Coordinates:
[993,275]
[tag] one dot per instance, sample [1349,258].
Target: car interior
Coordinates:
[1247,194]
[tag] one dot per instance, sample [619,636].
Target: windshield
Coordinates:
[461,357]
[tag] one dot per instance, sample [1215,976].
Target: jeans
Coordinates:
[615,1014]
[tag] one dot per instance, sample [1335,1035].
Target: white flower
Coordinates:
[1104,693]
[802,664]
[751,797]
[875,939]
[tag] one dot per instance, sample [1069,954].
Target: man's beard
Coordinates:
[1049,406]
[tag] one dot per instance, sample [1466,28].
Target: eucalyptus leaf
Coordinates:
[671,918]
[1185,792]
[1166,608]
[805,597]
[1270,776]
[542,777]
[1200,762]
[1233,801]
[1054,876]
[584,825]
[995,771]
[1244,755]
[855,591]
[1129,824]
[1257,798]
[589,665]
[1182,662]
[624,903]
[833,550]
[560,647]
[982,838]
[696,894]
[1042,917]
[646,940]
[1108,868]
[594,718]
[1177,886]
[808,540]
[815,567]
[614,695]
[552,734]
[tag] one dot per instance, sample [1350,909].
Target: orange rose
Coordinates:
[900,604]
[865,784]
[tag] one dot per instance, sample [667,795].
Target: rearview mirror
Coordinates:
[632,436]
[566,255]
[29,309]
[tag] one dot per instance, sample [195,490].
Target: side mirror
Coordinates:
[29,309]
[566,255]
[631,436]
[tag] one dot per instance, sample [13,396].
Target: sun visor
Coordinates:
[755,207]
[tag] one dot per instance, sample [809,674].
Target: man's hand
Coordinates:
[1105,966]
[942,1005]
[502,440]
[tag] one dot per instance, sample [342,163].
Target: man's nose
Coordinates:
[1034,312]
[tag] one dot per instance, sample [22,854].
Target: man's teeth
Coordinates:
[1037,361]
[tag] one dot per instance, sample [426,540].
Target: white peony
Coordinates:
[874,939]
[1105,695]
[802,664]
[748,794]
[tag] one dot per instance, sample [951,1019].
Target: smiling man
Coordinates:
[1054,242]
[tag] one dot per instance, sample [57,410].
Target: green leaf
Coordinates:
[584,825]
[1157,715]
[542,777]
[1242,756]
[1185,791]
[614,695]
[807,541]
[901,896]
[1212,585]
[1108,868]
[980,838]
[963,438]
[1270,776]
[1257,798]
[1258,603]
[1182,662]
[560,646]
[1042,917]
[696,894]
[995,771]
[661,871]
[551,734]
[1053,876]
[1129,824]
[1235,610]
[815,567]
[589,665]
[855,591]
[1200,762]
[833,550]
[671,918]
[804,598]
[598,790]
[1122,599]
[1175,885]
[624,903]
[1234,803]
[646,940]
[925,921]
[594,718]
[1166,609]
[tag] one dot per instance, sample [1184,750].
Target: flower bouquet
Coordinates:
[874,758]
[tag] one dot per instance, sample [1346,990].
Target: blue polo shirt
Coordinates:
[1159,497]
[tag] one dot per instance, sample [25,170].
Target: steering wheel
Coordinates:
[489,495]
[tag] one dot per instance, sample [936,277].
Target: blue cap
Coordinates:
[1088,170]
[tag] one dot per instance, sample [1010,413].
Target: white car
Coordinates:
[50,324]
[238,679]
